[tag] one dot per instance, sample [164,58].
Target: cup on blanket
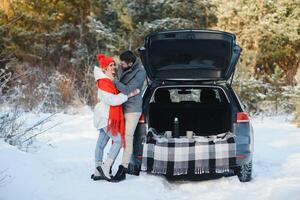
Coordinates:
[168,134]
[190,134]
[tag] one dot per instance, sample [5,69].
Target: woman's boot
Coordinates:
[105,168]
[97,176]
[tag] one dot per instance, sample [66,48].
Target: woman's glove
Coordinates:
[134,93]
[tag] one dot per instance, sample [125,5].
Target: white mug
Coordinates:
[190,134]
[168,134]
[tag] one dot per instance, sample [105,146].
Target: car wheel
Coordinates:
[244,172]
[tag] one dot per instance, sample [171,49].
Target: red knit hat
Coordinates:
[104,61]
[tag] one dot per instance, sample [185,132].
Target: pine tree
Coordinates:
[268,33]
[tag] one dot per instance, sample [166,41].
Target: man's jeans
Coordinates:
[131,121]
[101,143]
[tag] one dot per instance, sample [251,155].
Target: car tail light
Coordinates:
[142,119]
[240,156]
[242,117]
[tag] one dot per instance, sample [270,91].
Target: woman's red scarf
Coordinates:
[116,116]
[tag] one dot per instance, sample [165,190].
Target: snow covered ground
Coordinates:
[62,163]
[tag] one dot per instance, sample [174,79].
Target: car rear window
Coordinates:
[178,54]
[192,95]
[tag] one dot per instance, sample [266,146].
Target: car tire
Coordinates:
[244,172]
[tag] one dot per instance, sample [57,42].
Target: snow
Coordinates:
[61,167]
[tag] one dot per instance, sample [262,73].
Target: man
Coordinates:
[131,77]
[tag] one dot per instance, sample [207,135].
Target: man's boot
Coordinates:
[133,169]
[120,175]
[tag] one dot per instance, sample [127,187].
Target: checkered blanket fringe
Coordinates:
[180,171]
[159,170]
[201,170]
[207,170]
[181,156]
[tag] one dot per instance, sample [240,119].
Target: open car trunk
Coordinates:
[190,55]
[203,110]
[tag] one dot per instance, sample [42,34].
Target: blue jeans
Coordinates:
[101,143]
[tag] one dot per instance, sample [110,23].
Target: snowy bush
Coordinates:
[252,93]
[9,123]
[16,128]
[268,97]
[52,94]
[20,129]
[296,100]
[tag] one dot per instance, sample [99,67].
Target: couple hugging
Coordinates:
[117,112]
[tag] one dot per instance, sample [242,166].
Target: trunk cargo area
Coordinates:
[205,111]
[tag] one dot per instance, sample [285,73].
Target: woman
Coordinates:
[108,116]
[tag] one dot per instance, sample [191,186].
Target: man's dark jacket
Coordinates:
[130,80]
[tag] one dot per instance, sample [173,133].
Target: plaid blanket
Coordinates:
[180,156]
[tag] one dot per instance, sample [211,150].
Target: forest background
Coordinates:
[48,47]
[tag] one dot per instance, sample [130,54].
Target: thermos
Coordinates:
[176,128]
